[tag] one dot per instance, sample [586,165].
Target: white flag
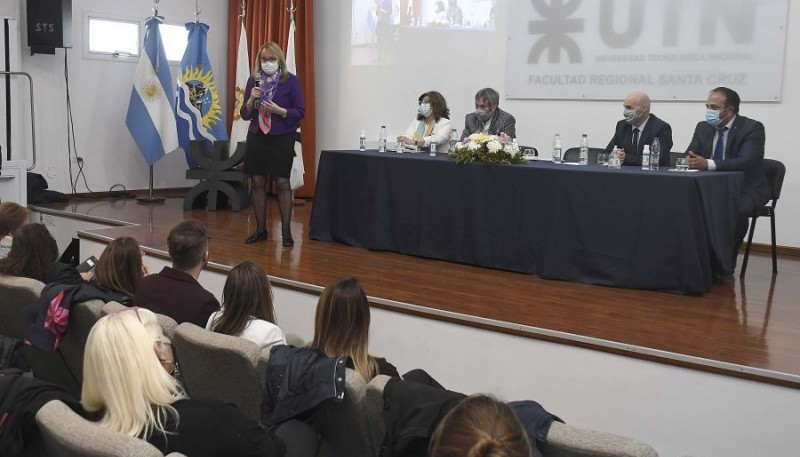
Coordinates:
[298,169]
[239,126]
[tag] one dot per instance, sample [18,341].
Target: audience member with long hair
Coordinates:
[34,254]
[12,217]
[480,426]
[125,383]
[247,309]
[341,328]
[119,269]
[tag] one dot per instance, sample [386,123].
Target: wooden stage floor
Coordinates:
[748,329]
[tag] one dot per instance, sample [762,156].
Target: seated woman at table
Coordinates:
[431,125]
[341,328]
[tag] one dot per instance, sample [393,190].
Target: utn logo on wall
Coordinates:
[671,49]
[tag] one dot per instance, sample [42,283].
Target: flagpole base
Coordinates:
[149,199]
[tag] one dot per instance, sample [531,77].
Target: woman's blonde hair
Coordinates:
[273,48]
[341,326]
[123,377]
[120,267]
[480,426]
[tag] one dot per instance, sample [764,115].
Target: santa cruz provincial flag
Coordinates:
[150,116]
[197,108]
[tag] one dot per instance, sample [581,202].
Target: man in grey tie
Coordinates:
[726,141]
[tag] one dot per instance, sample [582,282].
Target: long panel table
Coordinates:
[628,228]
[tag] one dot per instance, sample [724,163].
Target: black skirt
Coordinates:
[269,154]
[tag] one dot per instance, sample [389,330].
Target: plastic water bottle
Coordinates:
[382,139]
[646,157]
[613,159]
[433,148]
[655,152]
[557,148]
[584,157]
[453,139]
[362,141]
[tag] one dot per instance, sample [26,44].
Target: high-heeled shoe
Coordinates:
[257,236]
[288,241]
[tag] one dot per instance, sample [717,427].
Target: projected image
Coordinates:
[380,29]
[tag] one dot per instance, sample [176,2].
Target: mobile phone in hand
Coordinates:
[87,265]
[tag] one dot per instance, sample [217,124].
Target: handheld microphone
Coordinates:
[257,79]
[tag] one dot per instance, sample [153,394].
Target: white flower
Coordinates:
[494,146]
[473,146]
[509,149]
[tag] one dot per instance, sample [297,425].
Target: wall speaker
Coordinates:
[49,25]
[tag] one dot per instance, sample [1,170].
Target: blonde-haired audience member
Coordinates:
[125,382]
[12,217]
[247,309]
[480,426]
[341,328]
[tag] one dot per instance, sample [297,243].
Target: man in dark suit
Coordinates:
[638,129]
[488,117]
[175,291]
[726,141]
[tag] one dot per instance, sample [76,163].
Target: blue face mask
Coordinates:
[712,117]
[424,109]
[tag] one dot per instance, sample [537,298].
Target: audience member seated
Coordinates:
[119,270]
[432,124]
[247,310]
[175,291]
[488,117]
[419,417]
[341,328]
[12,217]
[34,255]
[480,426]
[125,384]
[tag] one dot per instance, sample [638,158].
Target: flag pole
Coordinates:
[150,198]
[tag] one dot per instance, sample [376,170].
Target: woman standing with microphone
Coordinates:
[274,108]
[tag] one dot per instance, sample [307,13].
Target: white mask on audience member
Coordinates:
[424,109]
[270,67]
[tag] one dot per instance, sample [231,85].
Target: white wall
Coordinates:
[351,98]
[100,91]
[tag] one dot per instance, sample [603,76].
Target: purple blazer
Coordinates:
[287,95]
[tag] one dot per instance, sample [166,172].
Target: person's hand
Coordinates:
[273,108]
[255,94]
[621,154]
[696,161]
[87,275]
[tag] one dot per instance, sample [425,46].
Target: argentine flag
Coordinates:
[150,116]
[197,109]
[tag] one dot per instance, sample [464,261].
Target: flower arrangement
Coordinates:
[480,147]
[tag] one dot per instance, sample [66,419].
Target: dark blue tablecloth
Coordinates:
[626,228]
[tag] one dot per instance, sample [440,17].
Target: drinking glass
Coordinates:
[681,164]
[602,158]
[528,153]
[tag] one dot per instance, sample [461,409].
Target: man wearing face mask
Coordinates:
[488,117]
[432,124]
[638,128]
[726,141]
